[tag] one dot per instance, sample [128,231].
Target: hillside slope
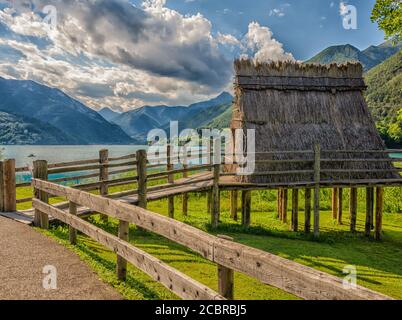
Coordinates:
[31,99]
[19,130]
[384,95]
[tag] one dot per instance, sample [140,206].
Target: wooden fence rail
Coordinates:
[287,275]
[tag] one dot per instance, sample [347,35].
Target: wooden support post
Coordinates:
[72,233]
[353,209]
[295,210]
[369,210]
[226,278]
[379,212]
[284,206]
[41,219]
[10,191]
[279,204]
[317,180]
[141,157]
[216,205]
[307,211]
[2,191]
[246,208]
[340,205]
[233,204]
[170,167]
[210,161]
[335,195]
[121,266]
[104,176]
[185,175]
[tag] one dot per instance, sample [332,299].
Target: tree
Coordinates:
[395,129]
[388,15]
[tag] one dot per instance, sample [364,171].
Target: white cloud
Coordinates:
[260,40]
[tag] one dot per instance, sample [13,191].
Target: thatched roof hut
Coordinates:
[292,106]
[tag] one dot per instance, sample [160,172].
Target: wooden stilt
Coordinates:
[335,201]
[216,201]
[279,204]
[285,206]
[317,180]
[170,167]
[185,195]
[307,211]
[378,213]
[295,210]
[246,208]
[340,205]
[233,204]
[369,210]
[104,176]
[353,209]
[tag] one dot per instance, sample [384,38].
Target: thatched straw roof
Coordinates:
[292,106]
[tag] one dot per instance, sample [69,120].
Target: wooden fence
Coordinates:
[229,256]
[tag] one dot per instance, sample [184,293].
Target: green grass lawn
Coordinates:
[378,263]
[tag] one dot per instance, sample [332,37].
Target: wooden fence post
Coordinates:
[279,204]
[335,201]
[353,208]
[170,167]
[216,201]
[379,212]
[226,278]
[317,180]
[234,194]
[121,266]
[10,192]
[307,211]
[41,219]
[185,175]
[369,210]
[141,157]
[211,162]
[340,205]
[295,210]
[104,176]
[72,233]
[284,206]
[2,191]
[246,208]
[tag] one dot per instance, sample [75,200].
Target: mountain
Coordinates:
[369,57]
[384,96]
[52,106]
[137,123]
[108,114]
[20,130]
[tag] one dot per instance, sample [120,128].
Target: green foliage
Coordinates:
[388,15]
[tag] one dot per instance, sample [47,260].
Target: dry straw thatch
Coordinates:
[293,106]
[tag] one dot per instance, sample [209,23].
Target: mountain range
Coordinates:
[31,113]
[369,58]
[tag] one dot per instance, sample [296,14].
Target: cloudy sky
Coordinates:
[128,53]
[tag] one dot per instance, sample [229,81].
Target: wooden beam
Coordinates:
[177,282]
[284,206]
[369,210]
[295,210]
[104,176]
[121,264]
[378,213]
[170,167]
[216,202]
[317,179]
[246,208]
[40,171]
[335,201]
[72,233]
[226,278]
[141,157]
[307,211]
[185,175]
[353,209]
[234,194]
[340,206]
[2,191]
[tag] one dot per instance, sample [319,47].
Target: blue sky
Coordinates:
[125,54]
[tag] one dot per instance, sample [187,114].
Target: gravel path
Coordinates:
[23,255]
